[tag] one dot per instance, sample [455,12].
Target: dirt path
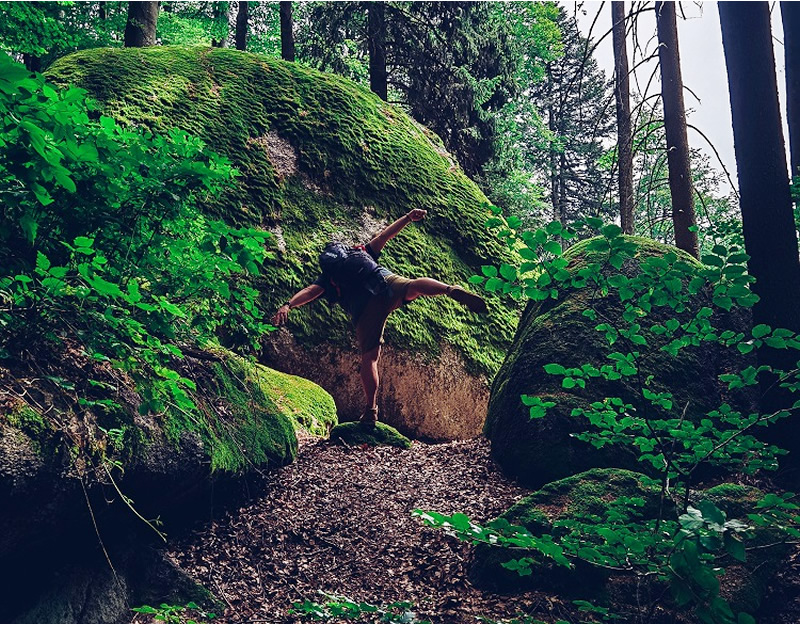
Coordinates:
[339,520]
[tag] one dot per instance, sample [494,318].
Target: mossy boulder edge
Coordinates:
[380,434]
[322,158]
[538,451]
[176,465]
[589,495]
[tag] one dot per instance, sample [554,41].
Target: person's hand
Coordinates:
[281,316]
[418,214]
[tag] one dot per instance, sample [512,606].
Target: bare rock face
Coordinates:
[430,400]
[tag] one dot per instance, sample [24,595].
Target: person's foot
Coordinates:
[369,417]
[470,300]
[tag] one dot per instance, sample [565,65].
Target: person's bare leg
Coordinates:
[369,377]
[425,287]
[428,287]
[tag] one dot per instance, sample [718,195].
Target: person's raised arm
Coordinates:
[307,295]
[390,231]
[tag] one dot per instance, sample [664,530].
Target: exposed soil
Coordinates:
[339,520]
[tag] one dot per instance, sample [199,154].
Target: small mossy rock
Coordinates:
[322,158]
[356,434]
[537,451]
[589,494]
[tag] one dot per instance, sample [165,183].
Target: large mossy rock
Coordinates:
[589,495]
[538,451]
[322,158]
[60,460]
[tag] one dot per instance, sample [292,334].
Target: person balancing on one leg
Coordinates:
[368,292]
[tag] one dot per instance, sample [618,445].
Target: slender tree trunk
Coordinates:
[767,221]
[241,26]
[287,37]
[376,43]
[140,31]
[562,188]
[32,63]
[680,173]
[770,236]
[790,12]
[624,136]
[216,11]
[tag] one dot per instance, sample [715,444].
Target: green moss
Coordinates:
[354,155]
[734,499]
[244,426]
[29,421]
[356,434]
[308,405]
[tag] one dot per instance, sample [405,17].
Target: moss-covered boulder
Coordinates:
[538,451]
[322,158]
[66,461]
[621,497]
[587,493]
[356,434]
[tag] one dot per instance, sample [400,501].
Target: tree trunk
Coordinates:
[140,31]
[376,44]
[790,12]
[624,138]
[769,231]
[767,221]
[32,63]
[287,37]
[680,173]
[241,26]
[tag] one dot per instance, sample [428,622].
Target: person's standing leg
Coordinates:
[369,376]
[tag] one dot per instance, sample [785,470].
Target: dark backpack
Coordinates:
[351,268]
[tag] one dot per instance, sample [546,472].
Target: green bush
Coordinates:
[102,243]
[687,542]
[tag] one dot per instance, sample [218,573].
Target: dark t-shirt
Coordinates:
[353,299]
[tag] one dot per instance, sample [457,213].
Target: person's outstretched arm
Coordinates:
[307,295]
[389,232]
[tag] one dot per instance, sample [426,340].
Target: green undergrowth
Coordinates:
[557,330]
[319,157]
[356,434]
[567,508]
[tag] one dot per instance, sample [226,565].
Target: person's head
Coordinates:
[331,257]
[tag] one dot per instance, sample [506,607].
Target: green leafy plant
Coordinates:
[191,613]
[338,607]
[666,304]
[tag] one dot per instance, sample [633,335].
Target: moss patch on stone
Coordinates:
[248,429]
[356,434]
[304,402]
[320,157]
[555,331]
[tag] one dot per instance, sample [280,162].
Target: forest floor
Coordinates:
[339,520]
